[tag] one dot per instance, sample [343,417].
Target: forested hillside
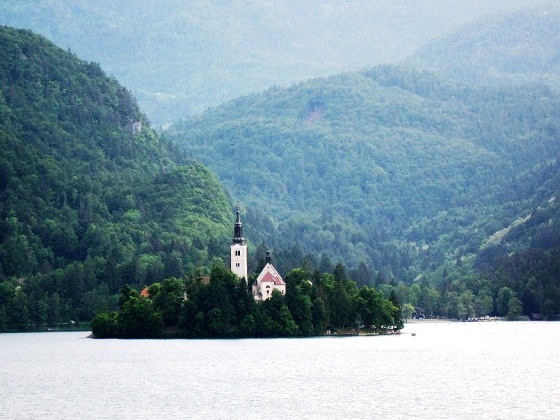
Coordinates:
[398,169]
[438,188]
[90,197]
[442,190]
[519,47]
[353,163]
[182,57]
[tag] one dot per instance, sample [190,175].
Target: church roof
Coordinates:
[238,230]
[269,274]
[268,277]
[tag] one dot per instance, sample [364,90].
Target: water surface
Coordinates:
[490,370]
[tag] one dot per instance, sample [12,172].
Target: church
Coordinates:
[268,280]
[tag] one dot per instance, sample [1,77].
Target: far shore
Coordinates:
[434,320]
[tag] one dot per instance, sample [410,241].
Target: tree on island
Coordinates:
[137,318]
[224,307]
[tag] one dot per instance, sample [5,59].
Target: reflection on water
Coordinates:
[494,370]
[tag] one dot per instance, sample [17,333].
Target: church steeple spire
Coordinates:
[238,230]
[239,249]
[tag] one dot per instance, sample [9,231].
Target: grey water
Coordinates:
[485,370]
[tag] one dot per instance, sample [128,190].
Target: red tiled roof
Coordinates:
[270,277]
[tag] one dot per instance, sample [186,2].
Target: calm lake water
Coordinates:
[493,370]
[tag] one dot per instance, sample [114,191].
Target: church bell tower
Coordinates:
[239,250]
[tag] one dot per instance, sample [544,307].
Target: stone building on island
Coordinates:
[268,280]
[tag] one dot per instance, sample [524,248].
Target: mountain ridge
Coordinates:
[517,47]
[379,146]
[91,197]
[212,51]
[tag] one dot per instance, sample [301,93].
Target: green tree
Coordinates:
[505,294]
[247,326]
[127,293]
[7,292]
[452,305]
[96,300]
[320,317]
[429,300]
[484,304]
[169,299]
[18,311]
[217,324]
[397,314]
[289,327]
[407,311]
[341,299]
[187,318]
[465,306]
[3,319]
[298,299]
[369,307]
[138,319]
[16,253]
[515,308]
[104,325]
[414,293]
[548,309]
[276,317]
[41,313]
[56,309]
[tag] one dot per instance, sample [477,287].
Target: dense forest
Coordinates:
[90,197]
[396,190]
[224,307]
[416,178]
[515,48]
[396,168]
[184,57]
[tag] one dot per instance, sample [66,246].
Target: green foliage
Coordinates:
[97,299]
[299,295]
[532,277]
[250,44]
[126,294]
[514,308]
[223,307]
[91,198]
[407,311]
[394,168]
[18,312]
[502,304]
[139,319]
[441,194]
[518,47]
[523,283]
[104,325]
[168,300]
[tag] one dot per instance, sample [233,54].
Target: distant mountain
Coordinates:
[182,57]
[520,47]
[400,169]
[90,197]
